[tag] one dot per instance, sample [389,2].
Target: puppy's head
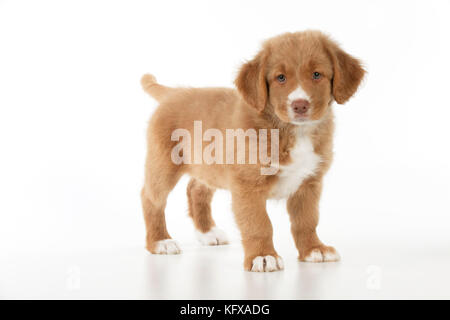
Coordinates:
[296,76]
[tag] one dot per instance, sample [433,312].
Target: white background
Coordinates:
[72,138]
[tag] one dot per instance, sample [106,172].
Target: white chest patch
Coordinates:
[304,164]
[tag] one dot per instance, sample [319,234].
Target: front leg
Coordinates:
[303,208]
[256,231]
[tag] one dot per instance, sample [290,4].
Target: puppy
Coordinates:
[287,91]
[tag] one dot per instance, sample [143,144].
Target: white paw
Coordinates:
[167,246]
[213,237]
[267,264]
[317,256]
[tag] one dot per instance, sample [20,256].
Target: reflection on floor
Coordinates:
[216,273]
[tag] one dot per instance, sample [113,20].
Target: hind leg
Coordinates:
[159,181]
[199,200]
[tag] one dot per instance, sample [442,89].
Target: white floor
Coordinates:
[366,272]
[73,119]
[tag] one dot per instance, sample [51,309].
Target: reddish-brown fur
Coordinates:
[259,103]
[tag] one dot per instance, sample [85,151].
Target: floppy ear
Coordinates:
[251,83]
[348,73]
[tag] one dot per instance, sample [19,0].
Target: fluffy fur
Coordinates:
[261,101]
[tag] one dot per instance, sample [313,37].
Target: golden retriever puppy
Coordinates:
[284,95]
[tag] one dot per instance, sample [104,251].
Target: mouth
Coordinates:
[304,120]
[301,117]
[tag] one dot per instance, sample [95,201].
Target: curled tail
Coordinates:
[156,90]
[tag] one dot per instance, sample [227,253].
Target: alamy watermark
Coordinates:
[374,277]
[73,279]
[213,153]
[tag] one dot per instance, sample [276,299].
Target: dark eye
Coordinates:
[281,78]
[316,76]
